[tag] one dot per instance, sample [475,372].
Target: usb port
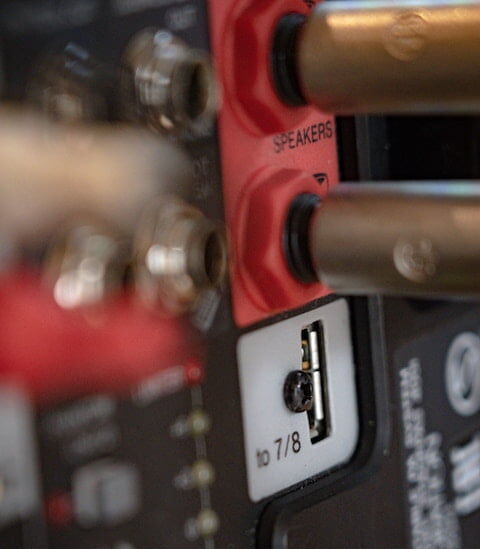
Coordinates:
[302,387]
[314,364]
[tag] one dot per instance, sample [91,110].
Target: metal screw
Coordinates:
[298,391]
[416,259]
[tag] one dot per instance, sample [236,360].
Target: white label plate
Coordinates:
[274,459]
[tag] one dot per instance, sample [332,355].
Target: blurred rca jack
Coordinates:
[175,255]
[115,204]
[381,57]
[179,254]
[71,85]
[85,264]
[167,84]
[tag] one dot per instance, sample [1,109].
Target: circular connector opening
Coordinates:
[207,253]
[194,98]
[198,90]
[296,237]
[284,60]
[215,258]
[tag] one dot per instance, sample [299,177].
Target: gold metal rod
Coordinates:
[399,239]
[390,56]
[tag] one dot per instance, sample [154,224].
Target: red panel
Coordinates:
[270,153]
[56,354]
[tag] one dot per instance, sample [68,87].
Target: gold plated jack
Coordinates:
[399,56]
[413,239]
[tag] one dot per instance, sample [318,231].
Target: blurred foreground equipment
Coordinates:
[51,172]
[95,192]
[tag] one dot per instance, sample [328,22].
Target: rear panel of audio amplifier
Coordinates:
[200,451]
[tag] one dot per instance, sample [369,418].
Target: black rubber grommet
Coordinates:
[296,237]
[284,62]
